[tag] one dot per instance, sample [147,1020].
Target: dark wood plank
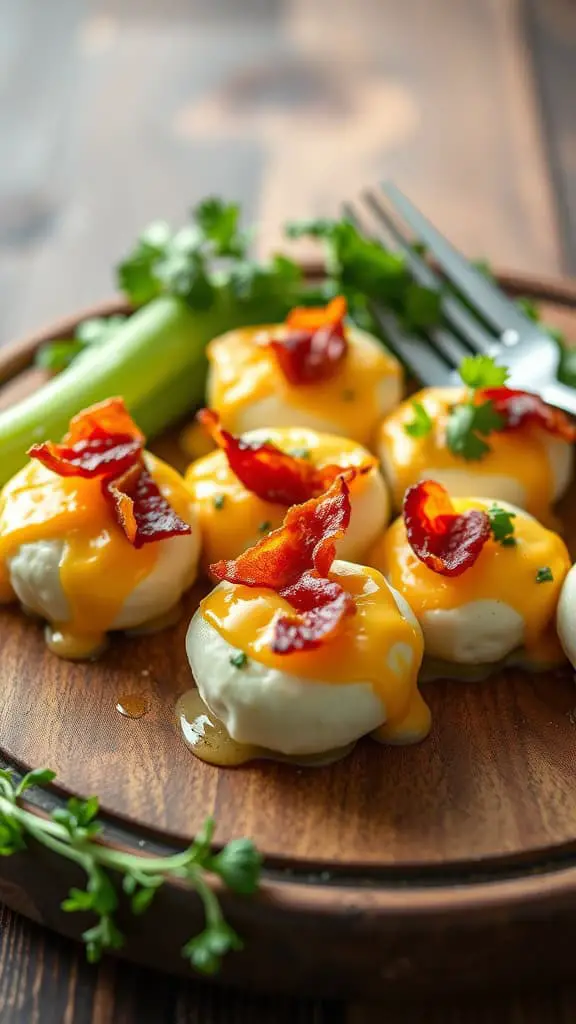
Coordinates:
[551,32]
[538,1007]
[45,980]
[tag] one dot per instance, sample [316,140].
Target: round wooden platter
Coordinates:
[452,863]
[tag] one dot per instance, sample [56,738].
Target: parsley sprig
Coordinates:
[73,832]
[471,421]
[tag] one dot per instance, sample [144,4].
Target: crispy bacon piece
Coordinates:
[141,509]
[314,344]
[447,542]
[295,561]
[269,473]
[520,408]
[104,442]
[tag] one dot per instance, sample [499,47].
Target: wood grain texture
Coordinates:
[551,32]
[287,105]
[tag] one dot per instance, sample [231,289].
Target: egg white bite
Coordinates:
[528,467]
[233,518]
[503,606]
[309,702]
[66,559]
[249,390]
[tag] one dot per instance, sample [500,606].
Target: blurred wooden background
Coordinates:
[115,112]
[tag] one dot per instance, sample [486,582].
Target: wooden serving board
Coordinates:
[451,863]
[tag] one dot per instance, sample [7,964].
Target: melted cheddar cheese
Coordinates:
[231,518]
[99,568]
[501,573]
[522,456]
[376,645]
[244,372]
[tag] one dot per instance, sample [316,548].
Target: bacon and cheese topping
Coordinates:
[315,370]
[298,653]
[472,571]
[484,439]
[95,533]
[241,492]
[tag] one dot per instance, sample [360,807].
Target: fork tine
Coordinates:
[487,298]
[469,327]
[417,353]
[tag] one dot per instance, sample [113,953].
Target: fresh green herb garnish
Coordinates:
[73,831]
[502,526]
[544,575]
[300,453]
[470,421]
[265,526]
[218,501]
[422,423]
[55,356]
[482,372]
[239,660]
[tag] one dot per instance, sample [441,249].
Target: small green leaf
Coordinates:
[264,527]
[502,526]
[239,660]
[544,575]
[55,356]
[239,864]
[37,777]
[218,221]
[218,501]
[141,900]
[422,423]
[423,306]
[205,950]
[467,425]
[78,900]
[482,372]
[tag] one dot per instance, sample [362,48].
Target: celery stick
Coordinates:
[155,360]
[158,344]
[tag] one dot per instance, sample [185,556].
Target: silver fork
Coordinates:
[487,322]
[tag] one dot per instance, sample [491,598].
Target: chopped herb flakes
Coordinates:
[502,526]
[544,575]
[239,660]
[422,424]
[218,501]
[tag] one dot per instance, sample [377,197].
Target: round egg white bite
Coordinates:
[504,603]
[232,518]
[266,706]
[36,564]
[566,616]
[248,390]
[528,468]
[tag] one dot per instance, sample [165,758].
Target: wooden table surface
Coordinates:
[113,112]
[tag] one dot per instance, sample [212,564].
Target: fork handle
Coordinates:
[561,396]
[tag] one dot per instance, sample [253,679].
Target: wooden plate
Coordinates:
[449,863]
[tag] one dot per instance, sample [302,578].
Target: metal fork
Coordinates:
[477,317]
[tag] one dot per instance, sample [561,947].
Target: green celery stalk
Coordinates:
[155,361]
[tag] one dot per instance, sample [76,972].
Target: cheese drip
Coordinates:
[376,645]
[99,567]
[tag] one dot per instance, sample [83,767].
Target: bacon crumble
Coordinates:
[271,474]
[446,541]
[104,442]
[314,345]
[520,408]
[294,561]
